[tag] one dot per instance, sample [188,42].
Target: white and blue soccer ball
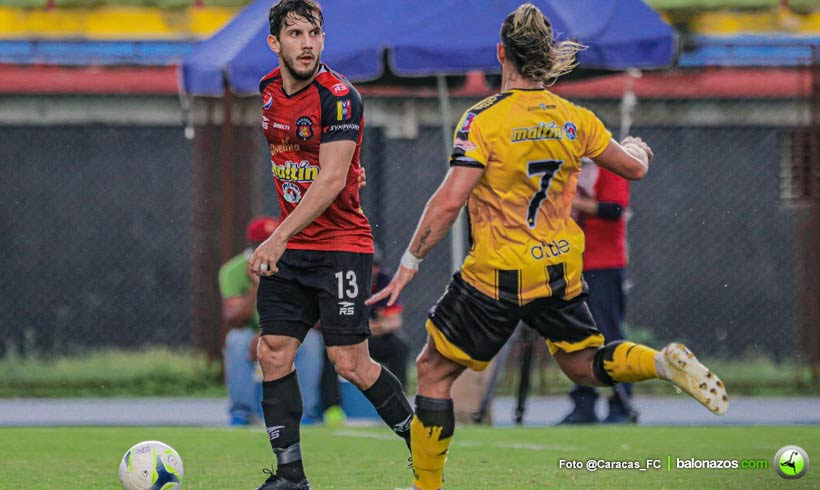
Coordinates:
[151,465]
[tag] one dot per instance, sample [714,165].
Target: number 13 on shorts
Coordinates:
[348,290]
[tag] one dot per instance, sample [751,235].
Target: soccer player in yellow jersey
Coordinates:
[515,162]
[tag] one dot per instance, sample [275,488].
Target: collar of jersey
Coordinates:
[322,69]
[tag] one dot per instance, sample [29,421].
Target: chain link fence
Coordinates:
[113,234]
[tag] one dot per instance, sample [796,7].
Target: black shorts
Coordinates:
[311,286]
[470,327]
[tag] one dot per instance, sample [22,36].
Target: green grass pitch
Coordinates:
[372,458]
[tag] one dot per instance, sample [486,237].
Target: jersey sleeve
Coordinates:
[596,136]
[470,146]
[342,116]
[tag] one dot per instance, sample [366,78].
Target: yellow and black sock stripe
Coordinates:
[624,362]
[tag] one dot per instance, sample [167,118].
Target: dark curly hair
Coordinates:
[307,9]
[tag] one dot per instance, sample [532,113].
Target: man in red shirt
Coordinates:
[599,207]
[316,266]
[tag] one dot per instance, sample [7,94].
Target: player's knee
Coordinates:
[275,359]
[435,374]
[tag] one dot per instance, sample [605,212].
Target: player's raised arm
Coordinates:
[438,217]
[630,159]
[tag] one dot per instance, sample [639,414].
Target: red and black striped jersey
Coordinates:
[328,109]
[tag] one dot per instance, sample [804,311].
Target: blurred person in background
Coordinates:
[600,209]
[243,377]
[386,346]
[316,265]
[515,163]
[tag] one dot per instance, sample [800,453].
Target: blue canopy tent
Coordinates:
[428,37]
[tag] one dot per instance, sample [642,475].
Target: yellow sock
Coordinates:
[627,362]
[429,442]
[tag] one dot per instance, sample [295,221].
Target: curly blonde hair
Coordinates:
[527,37]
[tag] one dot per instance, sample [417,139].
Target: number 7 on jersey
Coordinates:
[547,170]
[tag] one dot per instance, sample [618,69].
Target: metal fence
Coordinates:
[112,234]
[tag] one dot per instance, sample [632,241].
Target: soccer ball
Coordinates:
[151,465]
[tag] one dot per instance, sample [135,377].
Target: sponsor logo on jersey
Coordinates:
[282,146]
[268,101]
[465,144]
[343,110]
[284,127]
[468,123]
[295,171]
[265,122]
[546,250]
[541,131]
[541,107]
[484,104]
[342,127]
[304,128]
[291,192]
[571,130]
[340,89]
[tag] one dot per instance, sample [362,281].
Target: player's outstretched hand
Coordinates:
[264,258]
[635,141]
[403,276]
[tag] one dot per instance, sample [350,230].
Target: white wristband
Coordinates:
[410,261]
[638,153]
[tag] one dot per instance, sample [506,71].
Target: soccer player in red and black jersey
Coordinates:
[316,265]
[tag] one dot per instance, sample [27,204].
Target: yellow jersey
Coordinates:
[524,244]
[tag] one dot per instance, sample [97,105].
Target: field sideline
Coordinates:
[372,458]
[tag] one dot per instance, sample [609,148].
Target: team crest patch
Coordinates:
[291,192]
[570,130]
[304,128]
[468,122]
[268,101]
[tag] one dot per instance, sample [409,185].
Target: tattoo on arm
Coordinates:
[422,241]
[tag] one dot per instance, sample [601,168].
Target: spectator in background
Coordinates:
[243,379]
[600,208]
[386,347]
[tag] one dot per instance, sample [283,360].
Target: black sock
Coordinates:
[387,396]
[282,405]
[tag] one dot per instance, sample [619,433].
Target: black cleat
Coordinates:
[275,482]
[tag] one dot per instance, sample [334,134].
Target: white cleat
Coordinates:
[677,364]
